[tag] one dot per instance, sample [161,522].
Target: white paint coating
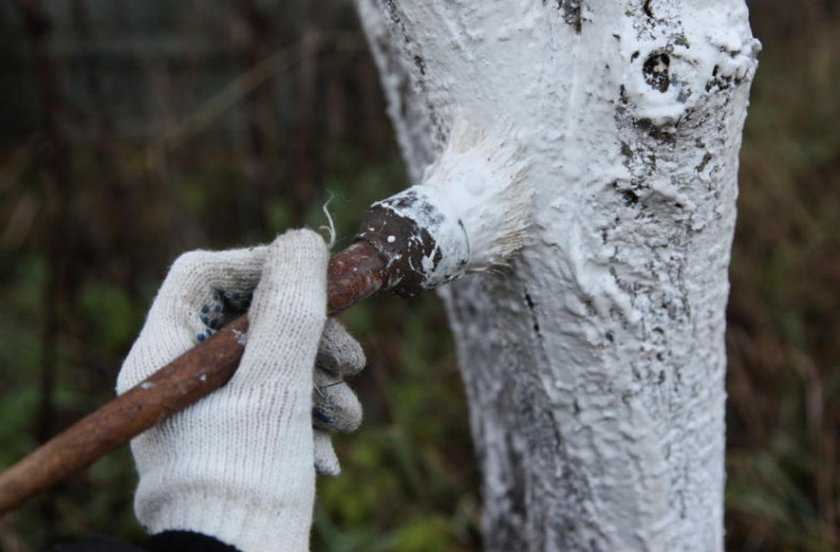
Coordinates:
[595,369]
[241,337]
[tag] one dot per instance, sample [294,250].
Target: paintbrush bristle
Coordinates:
[481,185]
[471,213]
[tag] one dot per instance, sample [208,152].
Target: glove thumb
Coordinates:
[288,312]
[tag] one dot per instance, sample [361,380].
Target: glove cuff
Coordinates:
[234,520]
[253,489]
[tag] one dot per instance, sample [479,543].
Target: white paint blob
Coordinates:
[241,337]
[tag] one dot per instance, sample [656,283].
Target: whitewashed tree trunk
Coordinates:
[595,367]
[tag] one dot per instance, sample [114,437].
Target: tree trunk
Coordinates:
[594,367]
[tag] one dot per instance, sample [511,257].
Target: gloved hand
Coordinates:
[239,465]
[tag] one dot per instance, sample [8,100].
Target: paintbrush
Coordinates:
[471,213]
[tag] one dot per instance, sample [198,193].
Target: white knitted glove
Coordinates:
[239,464]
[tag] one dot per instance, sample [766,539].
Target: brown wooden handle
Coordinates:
[353,274]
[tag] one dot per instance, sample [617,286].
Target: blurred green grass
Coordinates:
[783,489]
[410,482]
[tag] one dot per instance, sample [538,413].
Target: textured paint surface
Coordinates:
[595,367]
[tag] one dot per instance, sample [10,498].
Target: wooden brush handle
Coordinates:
[352,275]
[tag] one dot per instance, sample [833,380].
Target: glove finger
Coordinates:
[288,313]
[336,407]
[326,461]
[202,290]
[204,286]
[338,353]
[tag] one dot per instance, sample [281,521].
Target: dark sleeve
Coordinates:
[185,541]
[168,541]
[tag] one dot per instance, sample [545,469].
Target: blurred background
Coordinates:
[133,131]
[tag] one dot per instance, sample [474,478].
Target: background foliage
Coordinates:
[132,131]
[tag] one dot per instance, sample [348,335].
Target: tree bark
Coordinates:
[595,367]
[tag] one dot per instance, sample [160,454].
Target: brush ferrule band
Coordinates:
[422,246]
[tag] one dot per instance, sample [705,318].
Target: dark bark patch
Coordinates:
[721,82]
[704,162]
[532,307]
[420,63]
[682,40]
[391,8]
[630,197]
[571,11]
[647,7]
[657,71]
[646,125]
[622,95]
